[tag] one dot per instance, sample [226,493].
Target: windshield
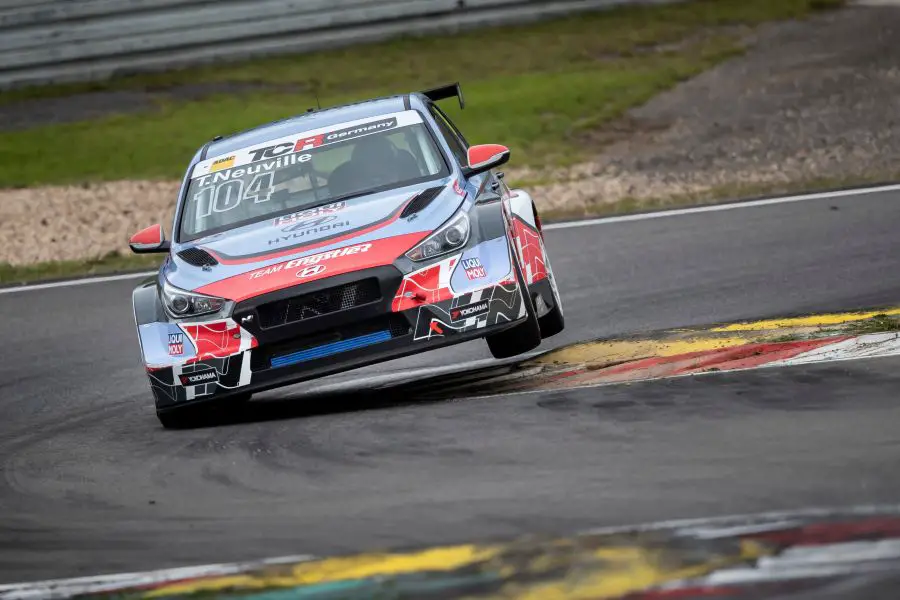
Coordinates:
[308,170]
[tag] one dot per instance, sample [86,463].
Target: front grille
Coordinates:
[316,304]
[328,343]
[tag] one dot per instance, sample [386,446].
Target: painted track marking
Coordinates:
[723,207]
[549,227]
[704,527]
[75,282]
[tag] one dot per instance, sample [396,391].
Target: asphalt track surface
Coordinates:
[91,483]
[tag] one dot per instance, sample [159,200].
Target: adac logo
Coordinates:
[310,271]
[222,163]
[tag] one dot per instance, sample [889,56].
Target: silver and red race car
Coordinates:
[332,240]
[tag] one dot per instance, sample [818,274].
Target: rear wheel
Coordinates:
[524,336]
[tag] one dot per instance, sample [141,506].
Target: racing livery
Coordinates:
[336,239]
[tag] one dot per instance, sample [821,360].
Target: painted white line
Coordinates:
[566,225]
[705,524]
[723,207]
[864,346]
[74,282]
[65,588]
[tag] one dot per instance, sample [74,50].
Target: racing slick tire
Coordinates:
[554,321]
[189,417]
[523,337]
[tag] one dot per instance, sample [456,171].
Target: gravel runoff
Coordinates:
[811,100]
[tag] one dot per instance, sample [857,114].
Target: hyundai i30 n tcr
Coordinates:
[335,239]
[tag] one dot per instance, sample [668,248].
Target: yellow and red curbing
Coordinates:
[751,556]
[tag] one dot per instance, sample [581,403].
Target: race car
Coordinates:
[332,240]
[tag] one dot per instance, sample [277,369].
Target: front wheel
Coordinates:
[554,321]
[524,336]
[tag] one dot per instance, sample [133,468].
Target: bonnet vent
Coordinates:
[421,201]
[197,257]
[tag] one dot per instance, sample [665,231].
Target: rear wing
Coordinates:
[444,92]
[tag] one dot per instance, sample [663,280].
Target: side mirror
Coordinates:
[485,157]
[149,240]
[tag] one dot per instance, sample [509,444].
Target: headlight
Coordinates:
[180,303]
[451,236]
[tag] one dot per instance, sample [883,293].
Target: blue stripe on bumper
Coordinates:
[330,349]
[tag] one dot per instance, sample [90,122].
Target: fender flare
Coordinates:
[522,205]
[146,304]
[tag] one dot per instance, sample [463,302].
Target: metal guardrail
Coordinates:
[44,41]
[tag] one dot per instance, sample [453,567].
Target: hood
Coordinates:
[391,215]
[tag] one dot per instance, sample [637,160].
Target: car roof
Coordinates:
[308,121]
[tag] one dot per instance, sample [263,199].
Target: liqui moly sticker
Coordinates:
[473,268]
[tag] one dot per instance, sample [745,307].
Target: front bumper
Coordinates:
[256,349]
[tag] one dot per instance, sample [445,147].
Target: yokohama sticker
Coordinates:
[199,377]
[469,310]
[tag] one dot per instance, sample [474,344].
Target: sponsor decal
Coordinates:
[473,267]
[469,310]
[310,271]
[262,167]
[283,148]
[222,164]
[199,377]
[315,228]
[308,143]
[458,188]
[176,344]
[303,215]
[309,224]
[313,259]
[271,151]
[360,130]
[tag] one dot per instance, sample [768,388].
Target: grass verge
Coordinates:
[109,264]
[537,88]
[877,324]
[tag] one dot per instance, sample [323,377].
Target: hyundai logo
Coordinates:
[310,271]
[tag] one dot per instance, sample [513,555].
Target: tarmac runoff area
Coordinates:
[818,553]
[804,554]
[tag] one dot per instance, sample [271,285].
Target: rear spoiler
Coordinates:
[444,92]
